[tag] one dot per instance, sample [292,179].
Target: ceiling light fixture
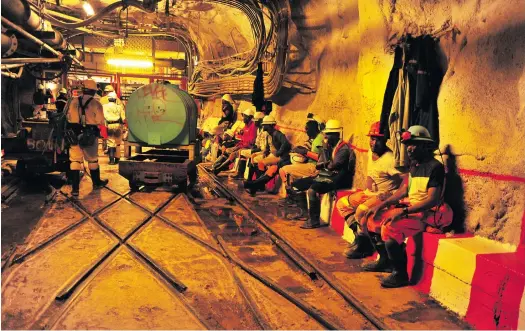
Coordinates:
[87,8]
[131,63]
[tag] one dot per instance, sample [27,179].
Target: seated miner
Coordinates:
[248,135]
[256,153]
[61,100]
[115,116]
[381,181]
[228,111]
[335,166]
[84,115]
[304,158]
[391,221]
[275,156]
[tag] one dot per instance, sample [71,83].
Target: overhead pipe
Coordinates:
[22,13]
[29,36]
[12,74]
[11,66]
[9,44]
[24,60]
[99,15]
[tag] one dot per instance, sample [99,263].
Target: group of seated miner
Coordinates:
[393,206]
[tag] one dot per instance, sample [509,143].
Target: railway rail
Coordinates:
[159,260]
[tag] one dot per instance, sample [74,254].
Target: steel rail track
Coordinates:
[336,285]
[224,252]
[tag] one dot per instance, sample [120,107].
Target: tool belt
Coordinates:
[88,137]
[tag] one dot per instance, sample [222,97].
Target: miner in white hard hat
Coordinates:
[61,101]
[304,159]
[84,116]
[415,207]
[115,117]
[336,166]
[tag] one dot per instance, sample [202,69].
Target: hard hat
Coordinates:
[374,130]
[416,133]
[333,126]
[109,88]
[90,84]
[259,115]
[40,86]
[63,90]
[296,158]
[112,95]
[250,111]
[269,120]
[228,98]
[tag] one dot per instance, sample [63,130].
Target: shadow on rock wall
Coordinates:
[454,192]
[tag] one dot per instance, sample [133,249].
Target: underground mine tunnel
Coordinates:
[263,164]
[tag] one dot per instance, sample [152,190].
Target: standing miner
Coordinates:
[115,116]
[84,115]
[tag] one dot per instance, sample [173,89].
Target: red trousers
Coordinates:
[411,224]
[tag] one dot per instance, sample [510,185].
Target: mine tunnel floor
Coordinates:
[115,259]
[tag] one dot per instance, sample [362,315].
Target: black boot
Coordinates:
[111,153]
[254,185]
[314,215]
[363,248]
[97,182]
[242,168]
[299,209]
[74,176]
[383,263]
[224,166]
[220,160]
[398,258]
[251,171]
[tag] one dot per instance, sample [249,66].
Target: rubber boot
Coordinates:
[300,209]
[224,166]
[111,153]
[253,171]
[362,249]
[398,258]
[97,182]
[220,160]
[74,176]
[314,216]
[240,171]
[258,184]
[383,263]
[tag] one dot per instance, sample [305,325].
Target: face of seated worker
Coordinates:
[377,145]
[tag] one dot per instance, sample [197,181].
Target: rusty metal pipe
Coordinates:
[26,34]
[21,60]
[9,44]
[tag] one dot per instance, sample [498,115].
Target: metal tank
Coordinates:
[161,115]
[165,118]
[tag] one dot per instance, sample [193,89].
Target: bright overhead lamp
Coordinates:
[131,63]
[87,8]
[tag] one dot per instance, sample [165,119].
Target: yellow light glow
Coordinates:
[131,63]
[88,9]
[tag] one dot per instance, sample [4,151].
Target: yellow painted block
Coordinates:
[458,256]
[348,234]
[450,292]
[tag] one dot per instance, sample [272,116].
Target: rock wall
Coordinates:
[338,49]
